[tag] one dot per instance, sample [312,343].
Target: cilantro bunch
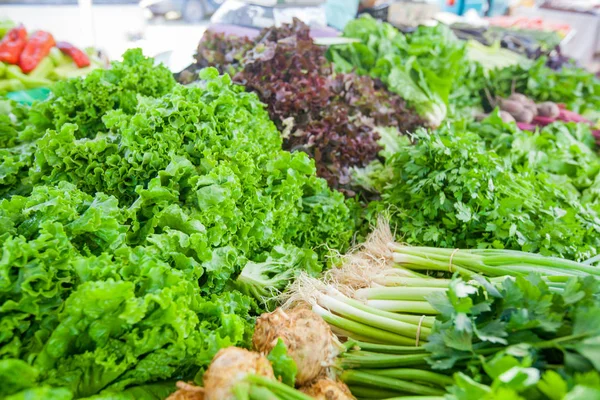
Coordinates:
[519,339]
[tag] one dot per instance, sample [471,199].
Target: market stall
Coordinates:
[585,41]
[375,213]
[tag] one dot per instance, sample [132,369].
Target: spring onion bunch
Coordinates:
[417,261]
[403,311]
[390,371]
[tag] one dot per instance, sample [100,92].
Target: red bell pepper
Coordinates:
[12,45]
[79,57]
[35,50]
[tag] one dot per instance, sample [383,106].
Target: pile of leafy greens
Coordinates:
[432,70]
[142,225]
[79,102]
[332,117]
[422,67]
[522,339]
[488,184]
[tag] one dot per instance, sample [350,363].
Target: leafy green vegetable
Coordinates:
[120,258]
[284,366]
[524,339]
[420,67]
[450,190]
[85,101]
[577,88]
[263,279]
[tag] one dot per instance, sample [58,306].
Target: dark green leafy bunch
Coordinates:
[450,190]
[519,340]
[564,150]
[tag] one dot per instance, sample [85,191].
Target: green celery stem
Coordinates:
[280,389]
[262,393]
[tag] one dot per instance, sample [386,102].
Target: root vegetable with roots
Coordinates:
[328,389]
[231,366]
[308,339]
[187,391]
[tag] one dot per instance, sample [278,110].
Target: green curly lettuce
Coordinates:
[121,264]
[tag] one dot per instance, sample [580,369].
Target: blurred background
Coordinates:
[169,30]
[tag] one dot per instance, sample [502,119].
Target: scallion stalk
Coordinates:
[417,398]
[491,262]
[356,377]
[373,393]
[366,331]
[416,307]
[387,349]
[412,374]
[372,319]
[413,282]
[398,293]
[368,360]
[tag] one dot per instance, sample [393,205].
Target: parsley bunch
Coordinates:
[520,339]
[452,189]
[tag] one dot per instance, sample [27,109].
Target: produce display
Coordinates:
[33,60]
[529,38]
[331,117]
[144,223]
[508,325]
[392,216]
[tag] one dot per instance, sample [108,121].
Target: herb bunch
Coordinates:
[519,339]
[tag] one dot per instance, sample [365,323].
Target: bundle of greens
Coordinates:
[422,67]
[520,340]
[415,316]
[154,221]
[517,339]
[439,74]
[530,193]
[331,117]
[381,371]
